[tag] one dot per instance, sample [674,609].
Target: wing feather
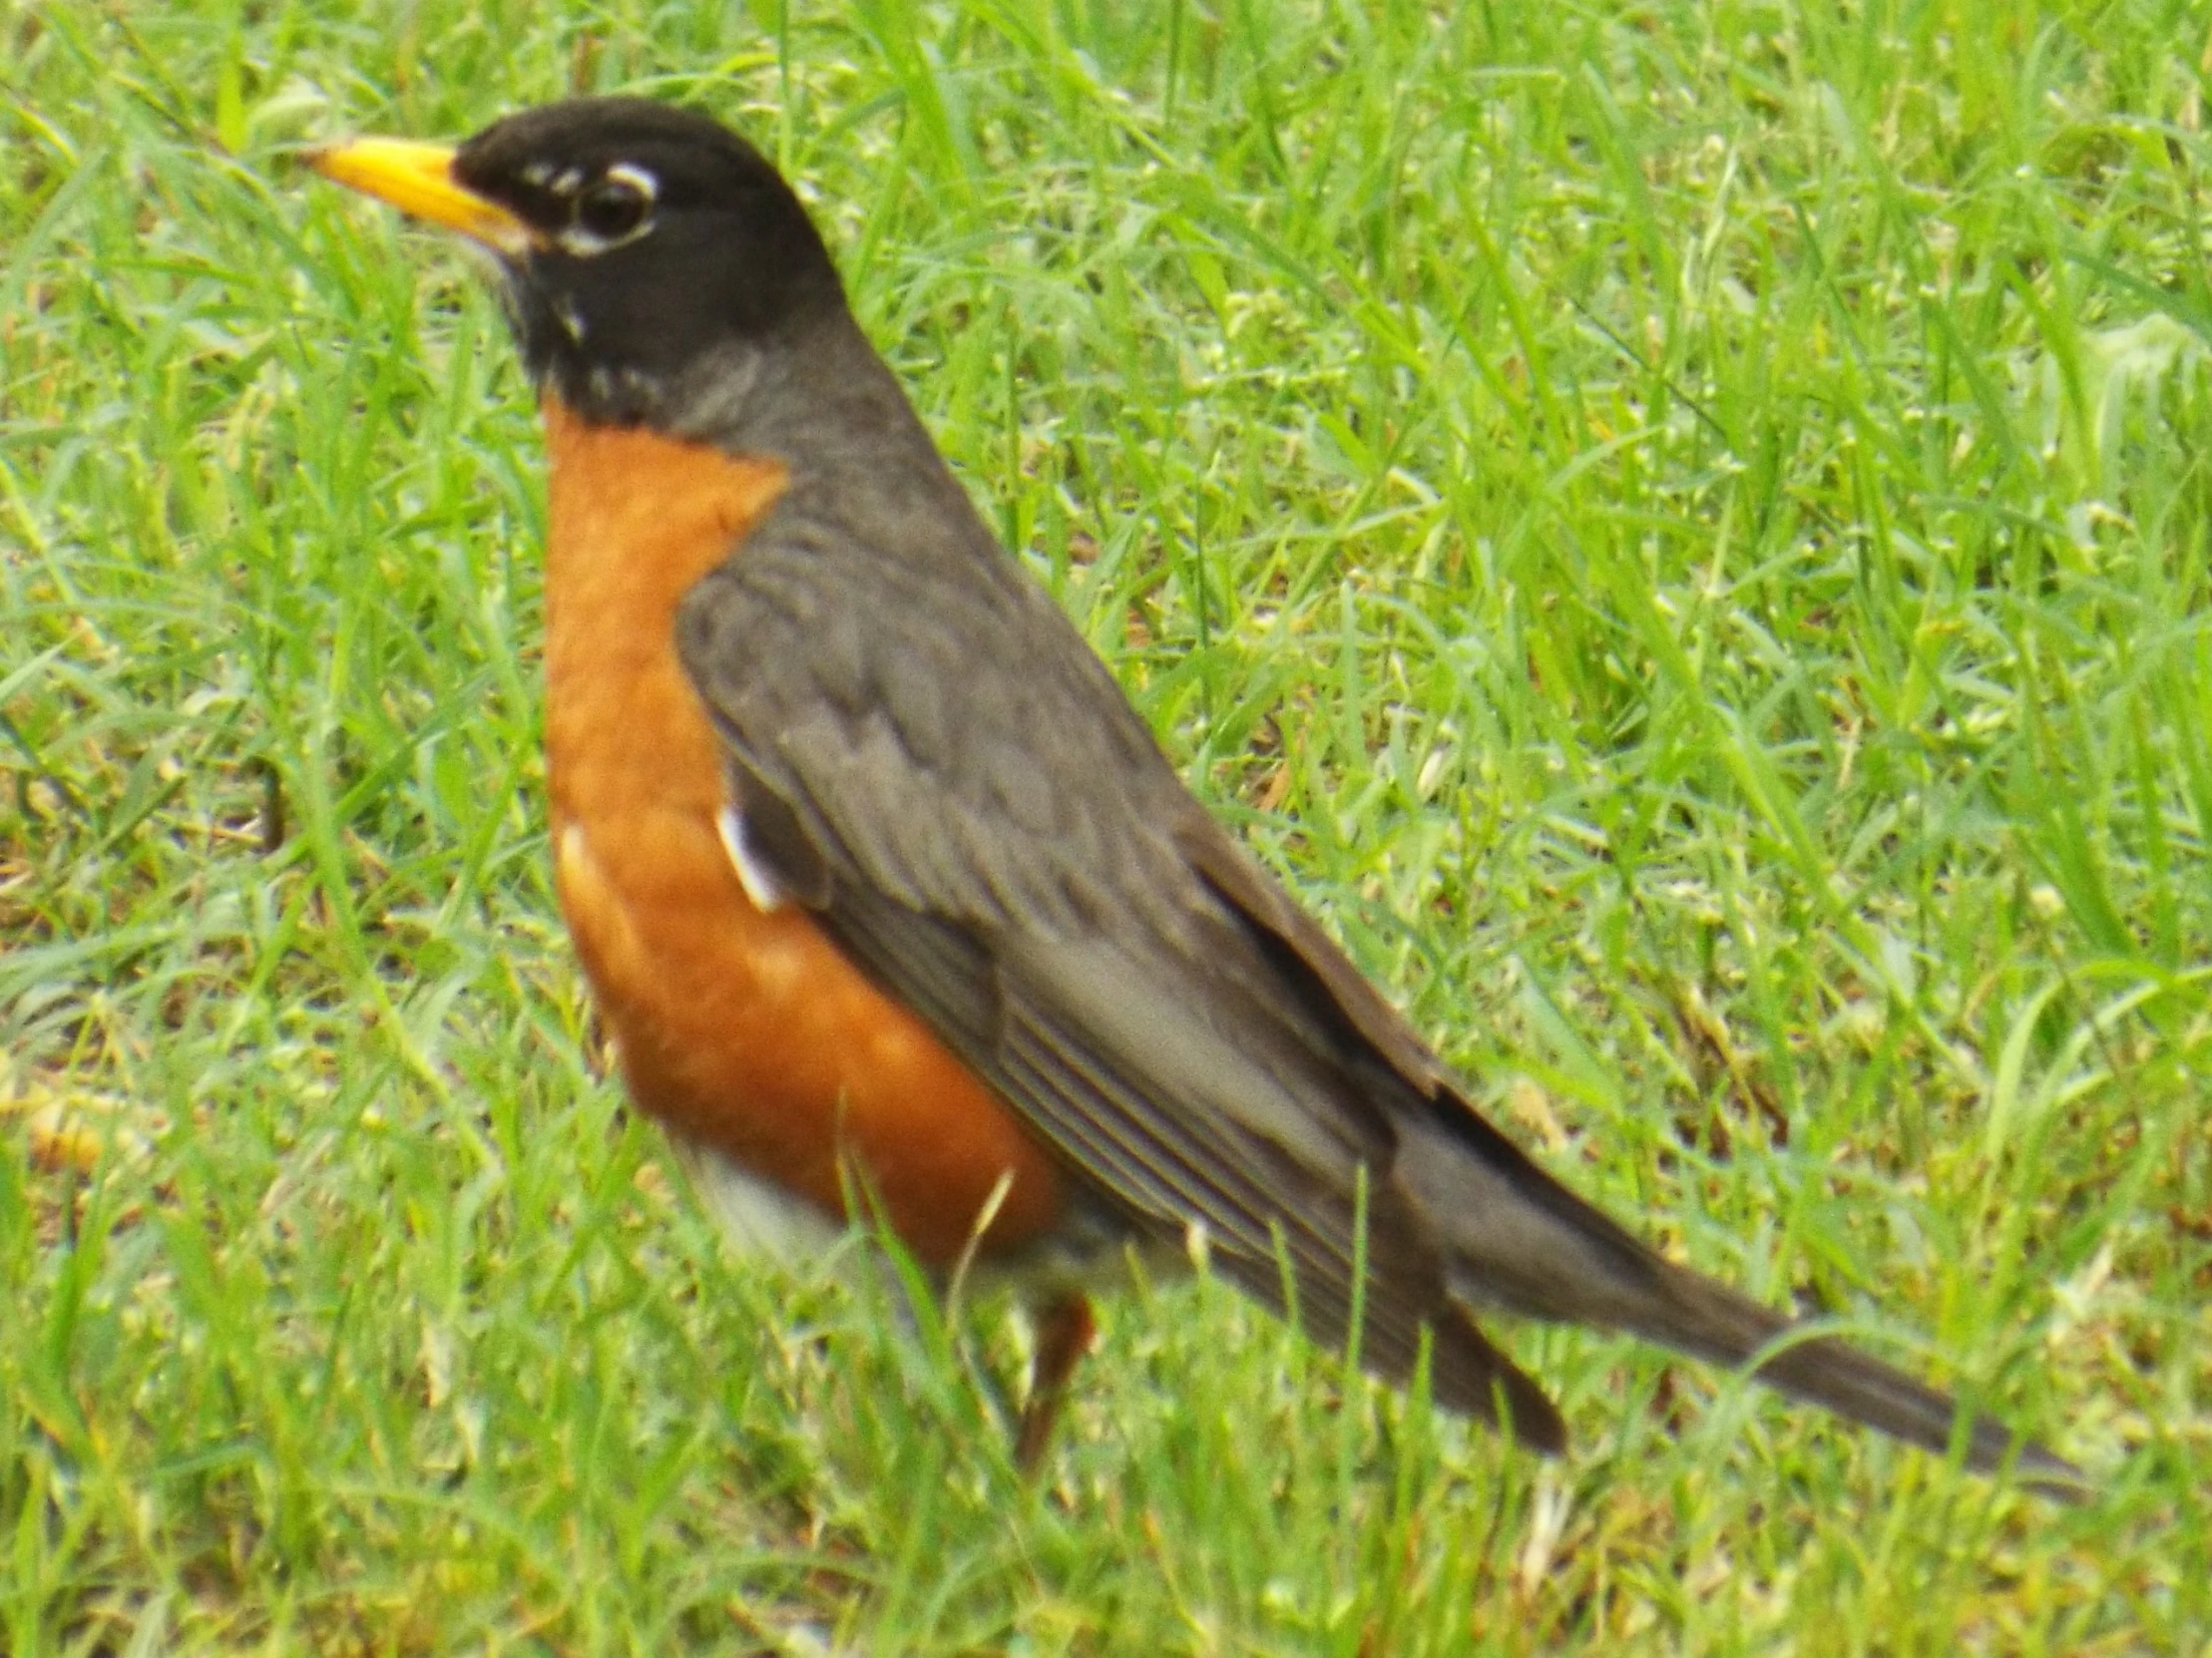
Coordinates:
[928,754]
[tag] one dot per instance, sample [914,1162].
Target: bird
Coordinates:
[893,905]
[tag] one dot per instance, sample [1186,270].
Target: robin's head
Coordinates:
[637,241]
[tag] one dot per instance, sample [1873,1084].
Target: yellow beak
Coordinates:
[418,178]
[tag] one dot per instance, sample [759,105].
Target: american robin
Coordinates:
[883,886]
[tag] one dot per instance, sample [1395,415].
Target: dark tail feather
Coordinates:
[1468,1375]
[1522,1243]
[1679,1309]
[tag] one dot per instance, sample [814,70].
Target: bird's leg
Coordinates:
[1064,1328]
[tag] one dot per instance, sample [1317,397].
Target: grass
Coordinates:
[1682,530]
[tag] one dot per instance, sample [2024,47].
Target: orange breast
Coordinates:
[741,1029]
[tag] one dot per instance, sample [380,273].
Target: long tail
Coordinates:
[1523,1244]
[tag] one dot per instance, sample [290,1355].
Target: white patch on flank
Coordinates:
[760,885]
[758,1216]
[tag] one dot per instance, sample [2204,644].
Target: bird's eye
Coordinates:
[612,209]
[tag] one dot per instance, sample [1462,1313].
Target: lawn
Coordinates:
[1683,531]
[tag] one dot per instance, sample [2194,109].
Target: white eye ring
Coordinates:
[638,178]
[632,185]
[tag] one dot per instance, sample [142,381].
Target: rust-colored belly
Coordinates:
[741,1029]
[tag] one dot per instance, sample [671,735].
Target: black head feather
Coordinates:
[659,238]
